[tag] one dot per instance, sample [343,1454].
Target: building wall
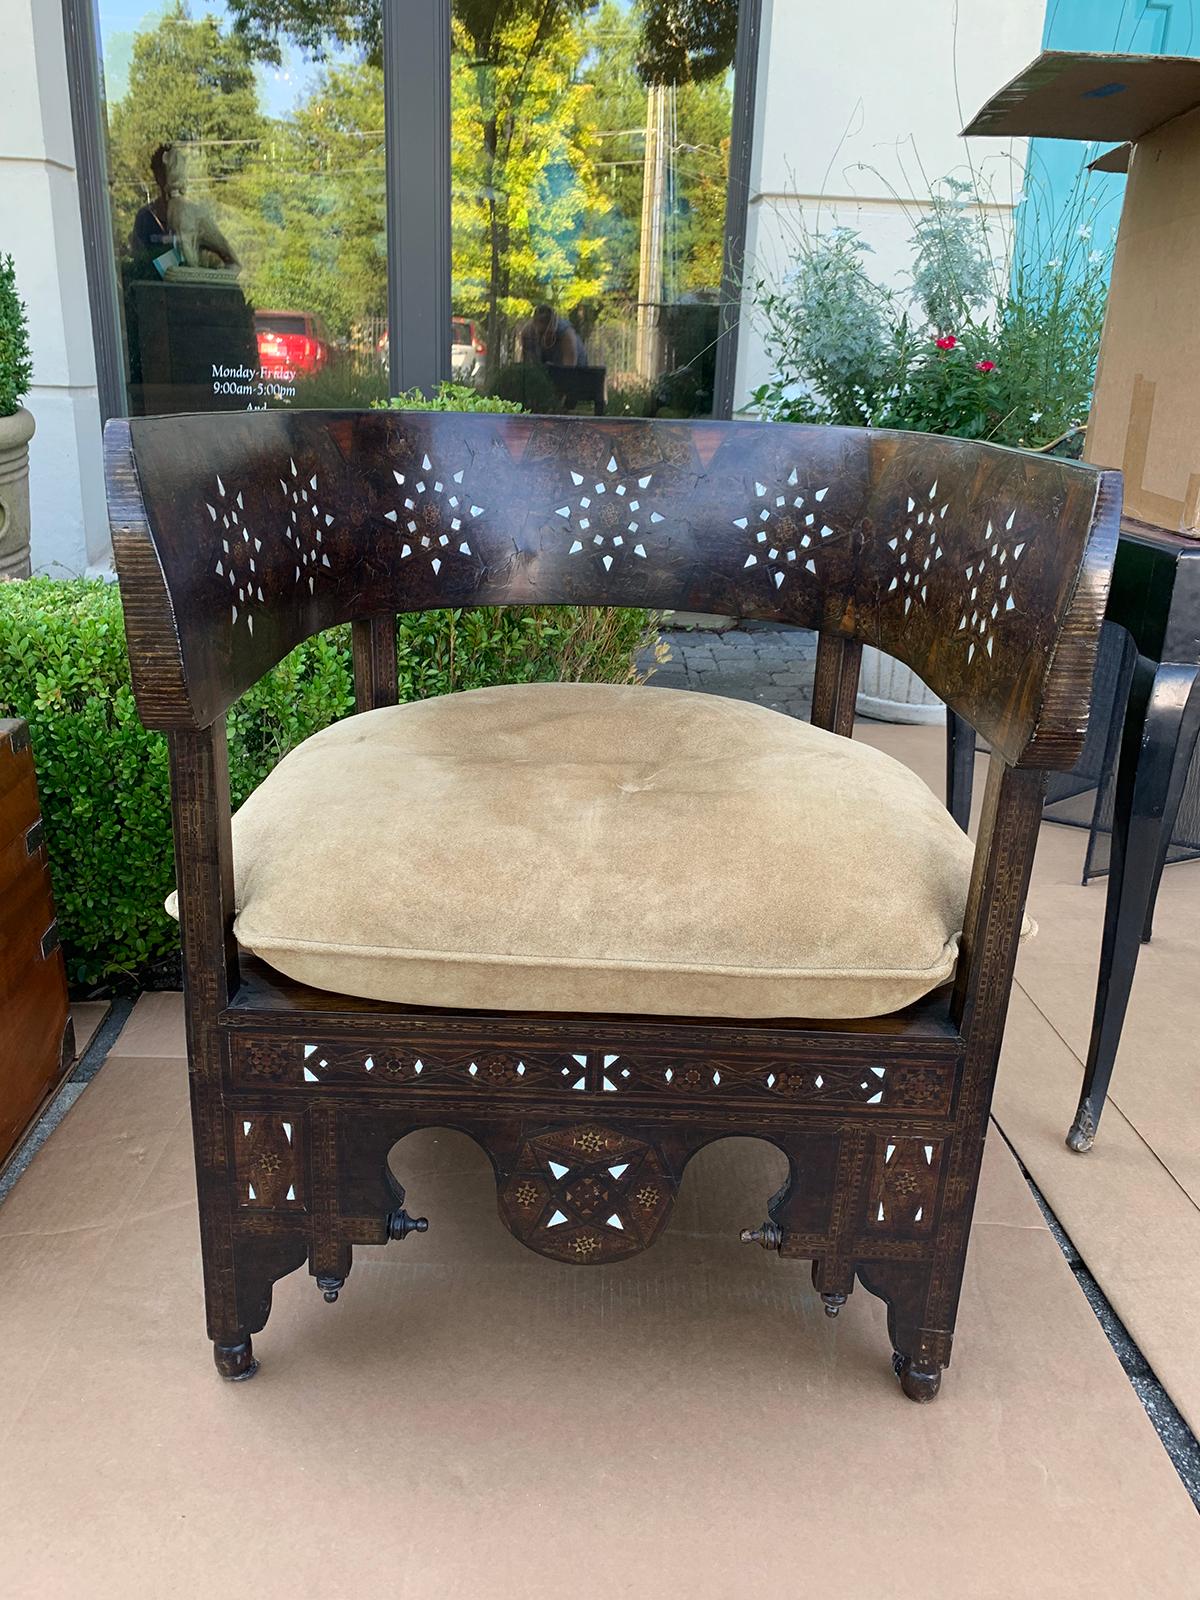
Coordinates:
[859,108]
[39,205]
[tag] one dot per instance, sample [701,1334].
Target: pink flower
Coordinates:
[985,366]
[946,342]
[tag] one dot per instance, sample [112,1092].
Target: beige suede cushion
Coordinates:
[587,847]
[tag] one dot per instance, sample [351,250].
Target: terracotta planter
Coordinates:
[891,692]
[15,434]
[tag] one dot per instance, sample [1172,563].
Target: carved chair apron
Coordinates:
[238,536]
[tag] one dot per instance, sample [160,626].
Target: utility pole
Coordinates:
[650,258]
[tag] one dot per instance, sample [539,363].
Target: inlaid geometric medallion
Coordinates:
[306,525]
[787,526]
[607,515]
[587,1194]
[435,515]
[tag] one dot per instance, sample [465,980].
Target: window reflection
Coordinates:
[247,184]
[590,151]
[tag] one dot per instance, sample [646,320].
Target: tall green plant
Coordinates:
[830,333]
[16,363]
[953,274]
[984,349]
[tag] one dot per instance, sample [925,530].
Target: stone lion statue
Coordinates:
[198,240]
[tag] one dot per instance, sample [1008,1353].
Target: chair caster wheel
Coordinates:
[833,1303]
[329,1287]
[918,1381]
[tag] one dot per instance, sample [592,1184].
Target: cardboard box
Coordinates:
[1145,414]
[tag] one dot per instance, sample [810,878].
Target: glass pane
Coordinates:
[590,152]
[246,168]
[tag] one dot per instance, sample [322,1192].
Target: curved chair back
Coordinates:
[238,535]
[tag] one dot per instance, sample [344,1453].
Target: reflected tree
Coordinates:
[533,217]
[189,83]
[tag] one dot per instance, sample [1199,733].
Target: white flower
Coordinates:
[1085,233]
[1054,265]
[1035,416]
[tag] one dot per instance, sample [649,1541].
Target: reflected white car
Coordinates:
[467,350]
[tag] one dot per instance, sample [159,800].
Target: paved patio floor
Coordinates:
[471,1421]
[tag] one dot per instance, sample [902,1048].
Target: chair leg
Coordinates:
[960,767]
[253,1226]
[329,1257]
[919,1351]
[238,1281]
[833,1279]
[1189,731]
[1157,716]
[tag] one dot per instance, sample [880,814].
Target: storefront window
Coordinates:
[590,153]
[246,173]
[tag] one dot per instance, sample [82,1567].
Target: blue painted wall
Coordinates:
[1144,27]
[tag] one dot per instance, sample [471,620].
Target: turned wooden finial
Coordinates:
[770,1236]
[400,1224]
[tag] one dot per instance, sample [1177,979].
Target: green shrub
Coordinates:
[103,777]
[528,387]
[16,365]
[448,397]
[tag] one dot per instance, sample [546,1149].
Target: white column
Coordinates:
[39,208]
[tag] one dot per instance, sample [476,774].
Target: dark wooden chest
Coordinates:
[37,1043]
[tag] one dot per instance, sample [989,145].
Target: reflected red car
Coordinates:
[290,343]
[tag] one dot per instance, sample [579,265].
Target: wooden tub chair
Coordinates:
[593,926]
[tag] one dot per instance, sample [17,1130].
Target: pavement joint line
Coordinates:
[102,1041]
[1174,1434]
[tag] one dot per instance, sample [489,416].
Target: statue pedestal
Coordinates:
[195,345]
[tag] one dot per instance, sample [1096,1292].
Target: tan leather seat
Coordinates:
[588,847]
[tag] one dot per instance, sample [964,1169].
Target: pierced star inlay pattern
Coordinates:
[787,526]
[237,559]
[607,516]
[267,1163]
[306,525]
[918,548]
[904,1184]
[435,516]
[990,576]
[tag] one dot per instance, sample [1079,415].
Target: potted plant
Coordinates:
[16,427]
[982,348]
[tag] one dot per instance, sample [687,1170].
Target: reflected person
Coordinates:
[549,340]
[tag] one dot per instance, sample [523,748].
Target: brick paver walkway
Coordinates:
[758,661]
